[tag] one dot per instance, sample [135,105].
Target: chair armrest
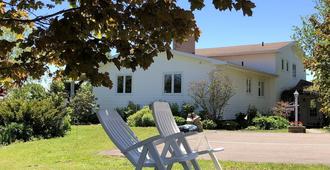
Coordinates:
[156,140]
[142,143]
[170,137]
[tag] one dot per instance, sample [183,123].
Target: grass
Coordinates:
[79,150]
[327,129]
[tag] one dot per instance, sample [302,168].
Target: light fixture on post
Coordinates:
[296,94]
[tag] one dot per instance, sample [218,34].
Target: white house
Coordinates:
[259,73]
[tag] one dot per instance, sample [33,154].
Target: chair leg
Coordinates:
[169,167]
[185,166]
[195,164]
[215,161]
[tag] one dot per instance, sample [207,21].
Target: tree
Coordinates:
[314,38]
[213,95]
[83,106]
[79,39]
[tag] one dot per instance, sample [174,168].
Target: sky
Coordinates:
[272,21]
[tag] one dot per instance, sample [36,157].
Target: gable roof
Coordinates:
[243,49]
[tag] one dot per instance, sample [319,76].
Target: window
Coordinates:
[167,83]
[172,83]
[287,65]
[261,88]
[120,84]
[248,85]
[124,84]
[294,70]
[242,63]
[177,83]
[282,64]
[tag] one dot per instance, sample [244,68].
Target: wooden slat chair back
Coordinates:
[164,119]
[120,134]
[166,126]
[144,153]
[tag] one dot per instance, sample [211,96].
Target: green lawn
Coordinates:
[79,150]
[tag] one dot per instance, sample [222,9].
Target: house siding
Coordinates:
[148,85]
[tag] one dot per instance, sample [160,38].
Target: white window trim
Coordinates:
[124,84]
[294,74]
[248,86]
[282,64]
[172,83]
[262,91]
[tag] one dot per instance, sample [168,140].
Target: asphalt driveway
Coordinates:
[270,147]
[306,148]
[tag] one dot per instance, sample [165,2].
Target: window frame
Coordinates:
[261,88]
[248,86]
[172,83]
[124,84]
[294,71]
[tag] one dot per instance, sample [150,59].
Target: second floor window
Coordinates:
[294,70]
[261,88]
[248,85]
[124,84]
[282,64]
[287,65]
[172,83]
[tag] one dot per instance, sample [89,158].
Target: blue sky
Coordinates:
[272,21]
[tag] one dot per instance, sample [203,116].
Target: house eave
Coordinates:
[251,70]
[200,57]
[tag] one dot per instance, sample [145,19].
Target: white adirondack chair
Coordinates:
[167,126]
[144,153]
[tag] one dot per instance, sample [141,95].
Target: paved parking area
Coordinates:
[266,147]
[271,147]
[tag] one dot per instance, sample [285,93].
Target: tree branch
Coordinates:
[39,18]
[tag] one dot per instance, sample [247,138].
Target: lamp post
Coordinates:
[296,94]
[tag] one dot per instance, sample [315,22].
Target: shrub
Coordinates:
[179,120]
[142,118]
[241,120]
[252,113]
[280,109]
[30,91]
[252,128]
[187,108]
[229,125]
[83,106]
[212,95]
[148,120]
[271,122]
[209,124]
[175,109]
[14,131]
[125,112]
[40,116]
